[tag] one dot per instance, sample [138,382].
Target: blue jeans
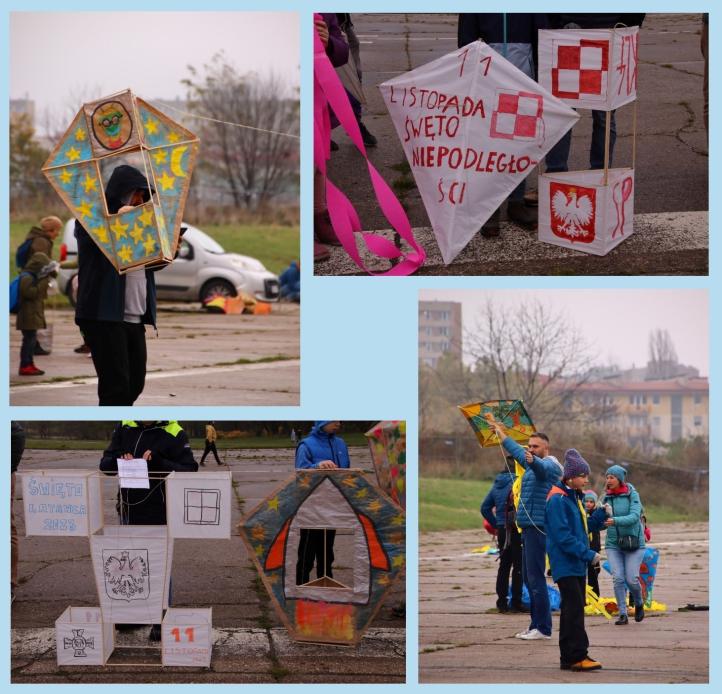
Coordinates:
[557,159]
[625,574]
[534,573]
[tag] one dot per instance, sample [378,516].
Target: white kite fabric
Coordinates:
[472,127]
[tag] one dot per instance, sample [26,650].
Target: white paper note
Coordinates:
[133,474]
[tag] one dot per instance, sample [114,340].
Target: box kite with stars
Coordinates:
[112,131]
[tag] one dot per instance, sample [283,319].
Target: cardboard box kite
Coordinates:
[123,129]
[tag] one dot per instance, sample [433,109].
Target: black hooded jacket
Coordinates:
[101,290]
[170,450]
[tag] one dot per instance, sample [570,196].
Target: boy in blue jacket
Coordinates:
[567,542]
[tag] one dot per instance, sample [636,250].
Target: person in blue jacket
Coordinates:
[541,472]
[498,509]
[567,544]
[322,449]
[624,543]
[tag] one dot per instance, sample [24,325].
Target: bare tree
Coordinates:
[663,362]
[258,162]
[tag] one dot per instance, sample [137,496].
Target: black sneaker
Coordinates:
[622,620]
[639,613]
[368,138]
[154,633]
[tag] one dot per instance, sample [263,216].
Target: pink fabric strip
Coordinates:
[329,92]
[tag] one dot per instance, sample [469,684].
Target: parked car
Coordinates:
[202,269]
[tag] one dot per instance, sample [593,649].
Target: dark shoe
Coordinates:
[83,349]
[40,352]
[30,370]
[519,609]
[531,199]
[334,146]
[154,634]
[524,216]
[565,666]
[585,665]
[491,228]
[320,252]
[366,136]
[639,613]
[323,231]
[622,620]
[502,605]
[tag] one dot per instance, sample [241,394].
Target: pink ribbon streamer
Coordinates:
[328,93]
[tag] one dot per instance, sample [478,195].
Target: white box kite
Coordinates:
[199,504]
[578,211]
[62,502]
[132,566]
[186,637]
[472,127]
[82,638]
[590,68]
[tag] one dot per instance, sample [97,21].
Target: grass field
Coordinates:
[274,246]
[453,504]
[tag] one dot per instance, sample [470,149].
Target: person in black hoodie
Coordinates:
[112,310]
[498,509]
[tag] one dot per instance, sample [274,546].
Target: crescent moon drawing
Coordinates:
[175,161]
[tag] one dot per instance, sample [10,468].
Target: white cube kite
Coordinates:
[472,127]
[62,502]
[186,637]
[199,504]
[132,572]
[82,638]
[577,210]
[590,68]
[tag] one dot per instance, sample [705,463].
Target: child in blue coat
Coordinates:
[567,543]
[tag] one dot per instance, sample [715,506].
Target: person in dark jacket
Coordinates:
[322,449]
[33,291]
[498,509]
[514,36]
[567,544]
[17,448]
[541,472]
[595,541]
[112,310]
[42,237]
[558,156]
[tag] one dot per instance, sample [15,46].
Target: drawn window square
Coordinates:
[210,515]
[202,507]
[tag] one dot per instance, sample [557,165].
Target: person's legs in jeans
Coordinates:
[573,640]
[27,348]
[616,564]
[558,156]
[516,579]
[632,562]
[596,152]
[534,556]
[502,574]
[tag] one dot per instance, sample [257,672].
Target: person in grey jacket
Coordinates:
[542,472]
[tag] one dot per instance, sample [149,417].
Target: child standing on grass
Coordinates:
[567,544]
[31,313]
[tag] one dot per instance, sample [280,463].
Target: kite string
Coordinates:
[225,122]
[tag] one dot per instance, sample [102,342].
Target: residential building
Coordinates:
[439,331]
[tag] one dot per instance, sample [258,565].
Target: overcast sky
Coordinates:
[616,321]
[55,56]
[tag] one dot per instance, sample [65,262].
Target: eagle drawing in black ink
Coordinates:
[125,576]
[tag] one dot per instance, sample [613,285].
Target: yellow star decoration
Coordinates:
[118,228]
[65,176]
[137,233]
[73,154]
[85,209]
[151,126]
[361,493]
[398,561]
[147,217]
[173,137]
[79,135]
[273,503]
[101,233]
[161,156]
[125,253]
[149,244]
[258,549]
[90,183]
[258,533]
[166,182]
[375,506]
[398,520]
[349,481]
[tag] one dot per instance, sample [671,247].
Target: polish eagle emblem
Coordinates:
[126,578]
[573,213]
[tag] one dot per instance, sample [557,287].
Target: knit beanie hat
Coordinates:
[574,464]
[590,496]
[618,471]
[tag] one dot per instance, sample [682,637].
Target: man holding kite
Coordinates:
[542,471]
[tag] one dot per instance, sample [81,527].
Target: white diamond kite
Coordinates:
[472,127]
